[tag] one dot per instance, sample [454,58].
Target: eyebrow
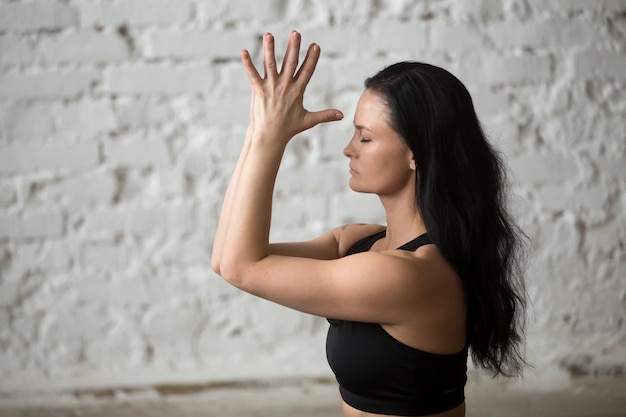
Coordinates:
[362,127]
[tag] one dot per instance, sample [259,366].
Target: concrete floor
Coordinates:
[598,397]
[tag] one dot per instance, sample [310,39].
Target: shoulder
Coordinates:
[349,234]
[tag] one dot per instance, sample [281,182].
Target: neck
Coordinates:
[404,221]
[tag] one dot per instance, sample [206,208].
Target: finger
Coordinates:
[323,116]
[290,63]
[249,68]
[269,58]
[308,66]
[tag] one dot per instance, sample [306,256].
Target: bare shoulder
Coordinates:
[436,274]
[349,234]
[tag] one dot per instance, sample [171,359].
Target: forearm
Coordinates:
[277,114]
[247,237]
[227,205]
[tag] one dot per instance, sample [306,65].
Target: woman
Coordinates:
[407,300]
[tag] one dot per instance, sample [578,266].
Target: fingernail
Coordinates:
[338,116]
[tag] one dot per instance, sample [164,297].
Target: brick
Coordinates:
[81,118]
[197,160]
[10,225]
[136,13]
[504,136]
[84,118]
[48,84]
[192,250]
[494,70]
[351,41]
[142,113]
[8,296]
[18,122]
[65,341]
[42,224]
[299,212]
[394,36]
[488,104]
[240,10]
[16,51]
[101,256]
[447,37]
[36,16]
[32,224]
[589,204]
[182,219]
[171,182]
[90,189]
[83,47]
[105,222]
[566,7]
[598,64]
[8,193]
[608,236]
[316,179]
[26,158]
[147,220]
[167,326]
[134,220]
[137,153]
[160,79]
[481,10]
[197,44]
[327,77]
[612,167]
[356,208]
[123,345]
[536,169]
[47,256]
[222,112]
[548,34]
[352,74]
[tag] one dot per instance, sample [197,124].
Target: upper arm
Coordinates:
[368,287]
[331,245]
[325,246]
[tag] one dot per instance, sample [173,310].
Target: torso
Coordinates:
[439,327]
[353,412]
[436,326]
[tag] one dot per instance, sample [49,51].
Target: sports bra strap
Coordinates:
[366,243]
[421,240]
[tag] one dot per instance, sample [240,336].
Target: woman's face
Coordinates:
[380,161]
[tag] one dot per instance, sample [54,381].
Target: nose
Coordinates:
[348,150]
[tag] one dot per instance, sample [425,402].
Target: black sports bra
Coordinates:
[379,374]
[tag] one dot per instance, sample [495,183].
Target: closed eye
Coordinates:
[365,140]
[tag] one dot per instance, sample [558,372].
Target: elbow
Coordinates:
[231,272]
[215,265]
[216,260]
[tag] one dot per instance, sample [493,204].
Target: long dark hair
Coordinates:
[461,195]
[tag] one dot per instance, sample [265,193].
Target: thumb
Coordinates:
[323,116]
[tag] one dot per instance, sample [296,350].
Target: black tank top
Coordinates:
[379,374]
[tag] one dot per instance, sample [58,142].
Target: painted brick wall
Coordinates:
[120,122]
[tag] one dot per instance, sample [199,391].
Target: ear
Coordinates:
[412,164]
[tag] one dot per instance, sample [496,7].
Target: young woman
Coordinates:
[405,301]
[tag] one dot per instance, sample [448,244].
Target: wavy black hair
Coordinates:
[461,194]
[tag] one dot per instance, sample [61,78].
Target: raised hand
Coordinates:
[277,112]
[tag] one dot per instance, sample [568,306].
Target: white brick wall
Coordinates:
[120,123]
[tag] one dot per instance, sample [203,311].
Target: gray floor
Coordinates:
[605,397]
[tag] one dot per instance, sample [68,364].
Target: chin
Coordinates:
[356,188]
